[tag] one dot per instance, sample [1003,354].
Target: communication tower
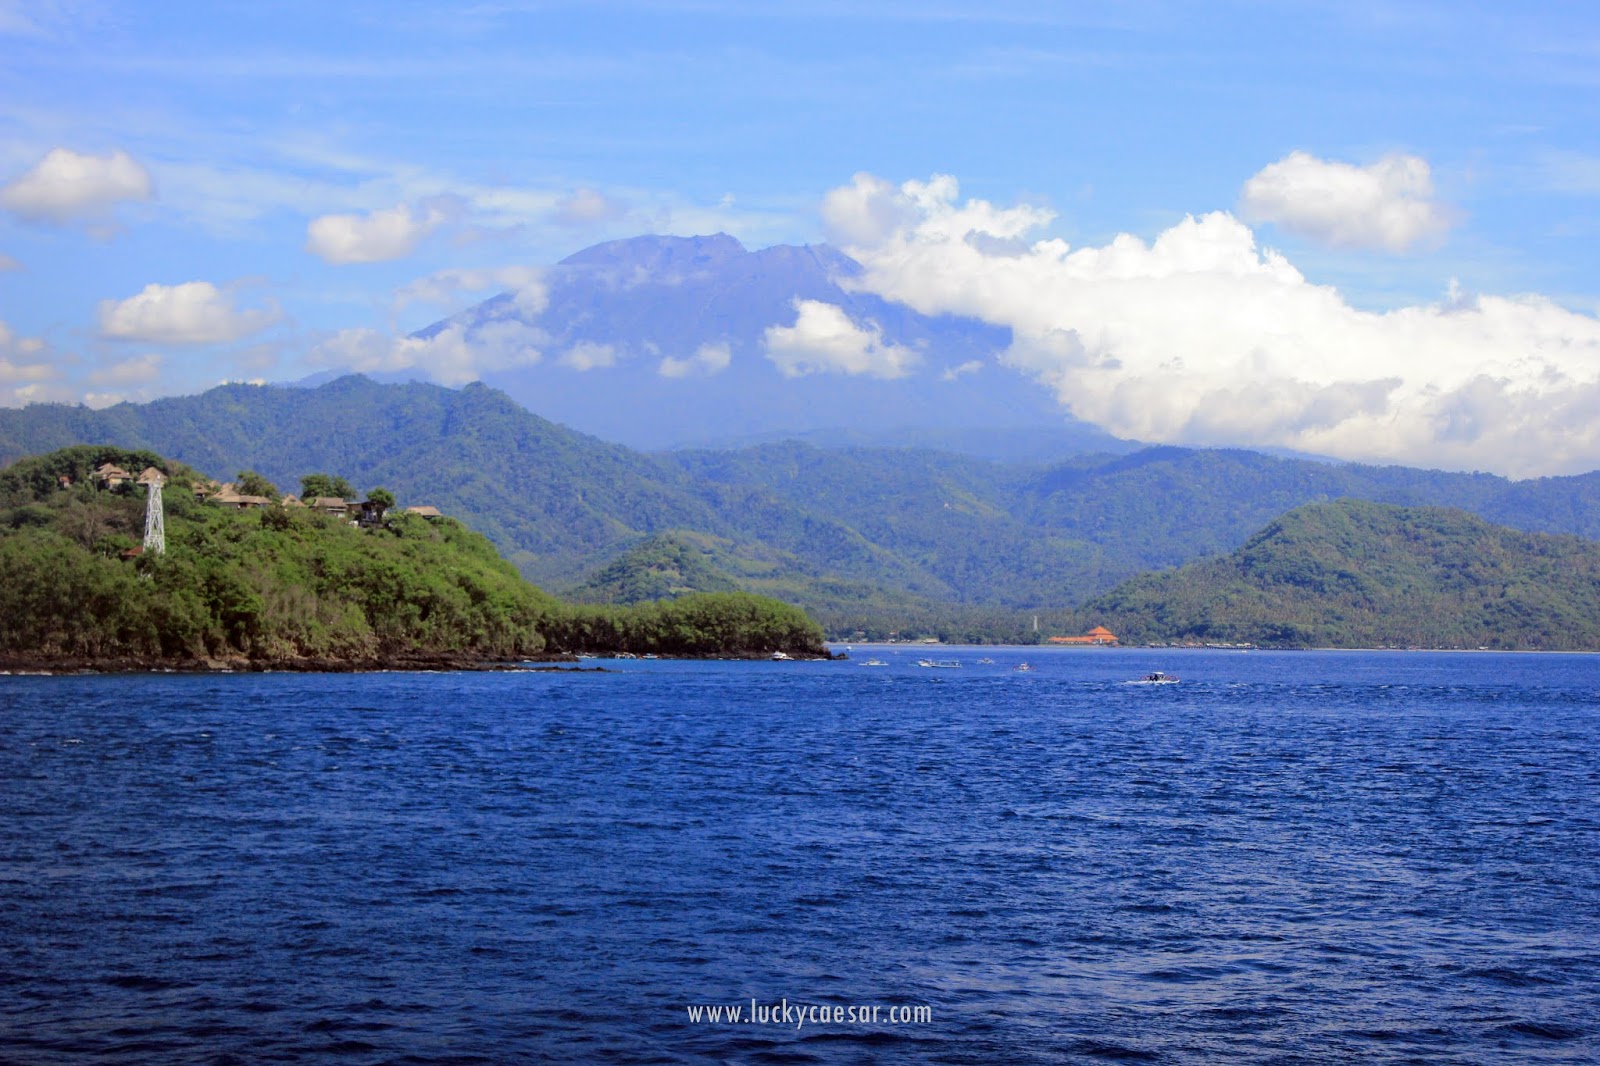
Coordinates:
[155,525]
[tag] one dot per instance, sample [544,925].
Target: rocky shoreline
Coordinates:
[13,664]
[67,664]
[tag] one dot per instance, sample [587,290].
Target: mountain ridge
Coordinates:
[867,539]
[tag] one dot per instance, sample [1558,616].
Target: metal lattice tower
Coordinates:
[155,524]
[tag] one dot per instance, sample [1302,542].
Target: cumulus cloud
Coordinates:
[1201,337]
[955,373]
[823,339]
[446,287]
[376,237]
[1388,204]
[588,207]
[195,312]
[587,355]
[453,356]
[27,372]
[65,186]
[707,359]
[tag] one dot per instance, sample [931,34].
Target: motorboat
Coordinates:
[874,662]
[1155,677]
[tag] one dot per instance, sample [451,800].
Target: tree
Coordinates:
[383,498]
[314,485]
[250,483]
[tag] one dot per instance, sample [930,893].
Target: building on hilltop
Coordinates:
[1099,636]
[110,475]
[426,511]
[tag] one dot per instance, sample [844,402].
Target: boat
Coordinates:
[946,664]
[1022,668]
[1155,677]
[874,662]
[781,657]
[985,661]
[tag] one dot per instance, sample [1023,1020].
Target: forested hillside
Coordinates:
[875,540]
[280,585]
[1359,574]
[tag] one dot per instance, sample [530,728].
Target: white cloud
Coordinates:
[823,339]
[587,207]
[586,355]
[707,359]
[65,186]
[139,370]
[1200,337]
[971,366]
[376,237]
[1388,204]
[445,287]
[453,356]
[29,373]
[195,312]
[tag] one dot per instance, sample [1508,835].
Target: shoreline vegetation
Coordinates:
[275,584]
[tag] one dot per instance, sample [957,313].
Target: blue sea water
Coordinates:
[1288,858]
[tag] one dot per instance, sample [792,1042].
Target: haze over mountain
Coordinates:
[659,342]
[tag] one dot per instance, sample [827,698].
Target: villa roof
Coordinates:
[426,511]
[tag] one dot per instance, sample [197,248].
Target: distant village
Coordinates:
[358,512]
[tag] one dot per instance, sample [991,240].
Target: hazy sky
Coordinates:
[1364,229]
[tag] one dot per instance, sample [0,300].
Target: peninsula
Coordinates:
[245,577]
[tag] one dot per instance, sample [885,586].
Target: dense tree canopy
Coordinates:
[276,584]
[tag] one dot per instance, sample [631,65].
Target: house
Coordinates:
[290,500]
[205,489]
[333,505]
[426,511]
[152,476]
[365,514]
[109,475]
[229,498]
[1099,636]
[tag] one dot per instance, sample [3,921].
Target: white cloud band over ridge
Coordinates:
[1200,337]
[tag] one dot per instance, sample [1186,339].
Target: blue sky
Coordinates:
[196,192]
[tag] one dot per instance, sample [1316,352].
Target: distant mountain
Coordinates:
[1359,574]
[871,539]
[624,321]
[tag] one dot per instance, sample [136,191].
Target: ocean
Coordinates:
[1298,857]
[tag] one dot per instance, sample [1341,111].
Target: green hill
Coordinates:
[287,586]
[1359,574]
[872,540]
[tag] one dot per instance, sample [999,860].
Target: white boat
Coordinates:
[945,664]
[874,662]
[781,657]
[1154,678]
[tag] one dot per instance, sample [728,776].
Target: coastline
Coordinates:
[15,665]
